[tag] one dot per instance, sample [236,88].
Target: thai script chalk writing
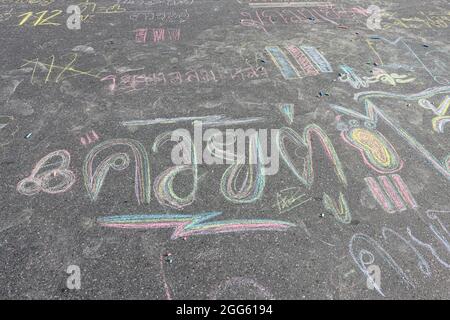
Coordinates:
[89,9]
[421,20]
[164,183]
[57,178]
[157,34]
[149,3]
[262,19]
[162,16]
[128,82]
[341,211]
[93,179]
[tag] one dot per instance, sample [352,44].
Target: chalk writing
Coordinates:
[128,83]
[162,16]
[255,181]
[290,198]
[341,212]
[48,68]
[269,17]
[158,35]
[41,18]
[431,20]
[57,178]
[392,79]
[93,180]
[164,183]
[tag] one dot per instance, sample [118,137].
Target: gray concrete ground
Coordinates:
[354,93]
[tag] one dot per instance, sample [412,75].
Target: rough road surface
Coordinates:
[349,200]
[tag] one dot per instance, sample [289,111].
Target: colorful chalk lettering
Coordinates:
[56,178]
[94,179]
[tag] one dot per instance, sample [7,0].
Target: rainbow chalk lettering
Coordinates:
[56,179]
[186,225]
[164,183]
[307,176]
[253,186]
[391,193]
[93,179]
[341,210]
